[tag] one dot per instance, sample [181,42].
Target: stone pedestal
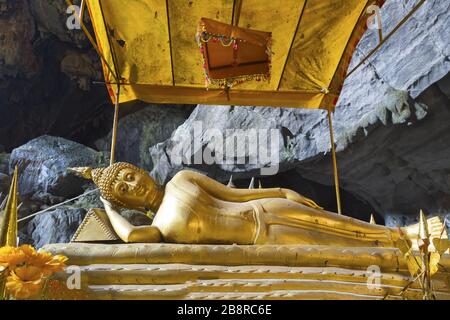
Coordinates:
[166,271]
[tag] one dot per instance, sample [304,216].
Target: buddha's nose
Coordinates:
[132,184]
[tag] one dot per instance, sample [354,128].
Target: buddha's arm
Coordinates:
[129,233]
[225,193]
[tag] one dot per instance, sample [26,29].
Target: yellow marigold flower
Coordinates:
[28,269]
[11,257]
[25,282]
[28,250]
[51,264]
[57,264]
[34,257]
[48,263]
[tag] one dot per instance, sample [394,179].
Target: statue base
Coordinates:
[172,271]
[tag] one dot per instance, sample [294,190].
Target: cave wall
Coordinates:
[46,73]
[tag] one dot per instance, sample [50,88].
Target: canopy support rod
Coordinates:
[169,29]
[292,44]
[383,41]
[380,27]
[115,126]
[92,41]
[82,7]
[335,167]
[237,6]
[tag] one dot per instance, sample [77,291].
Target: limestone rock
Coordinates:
[4,178]
[89,200]
[4,163]
[56,226]
[4,185]
[43,164]
[141,130]
[136,218]
[51,18]
[16,37]
[46,71]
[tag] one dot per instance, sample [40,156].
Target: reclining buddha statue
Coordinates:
[194,209]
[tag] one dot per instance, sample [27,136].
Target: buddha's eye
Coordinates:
[129,177]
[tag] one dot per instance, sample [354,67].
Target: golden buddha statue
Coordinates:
[194,209]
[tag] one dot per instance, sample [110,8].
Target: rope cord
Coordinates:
[58,205]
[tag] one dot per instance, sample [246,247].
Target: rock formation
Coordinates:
[43,164]
[46,73]
[140,131]
[57,226]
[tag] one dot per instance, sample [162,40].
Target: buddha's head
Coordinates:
[123,184]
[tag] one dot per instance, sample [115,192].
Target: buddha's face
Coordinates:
[134,188]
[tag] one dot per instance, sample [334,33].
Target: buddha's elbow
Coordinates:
[133,237]
[143,235]
[127,239]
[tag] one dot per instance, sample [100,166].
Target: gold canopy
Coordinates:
[150,46]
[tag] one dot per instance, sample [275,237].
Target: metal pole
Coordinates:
[82,6]
[115,125]
[94,45]
[335,167]
[380,28]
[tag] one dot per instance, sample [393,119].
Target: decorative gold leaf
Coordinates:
[441,245]
[435,257]
[403,245]
[413,263]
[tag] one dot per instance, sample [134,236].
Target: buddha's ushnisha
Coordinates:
[195,209]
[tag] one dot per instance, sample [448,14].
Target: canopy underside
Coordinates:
[150,45]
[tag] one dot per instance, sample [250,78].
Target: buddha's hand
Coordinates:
[108,205]
[294,196]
